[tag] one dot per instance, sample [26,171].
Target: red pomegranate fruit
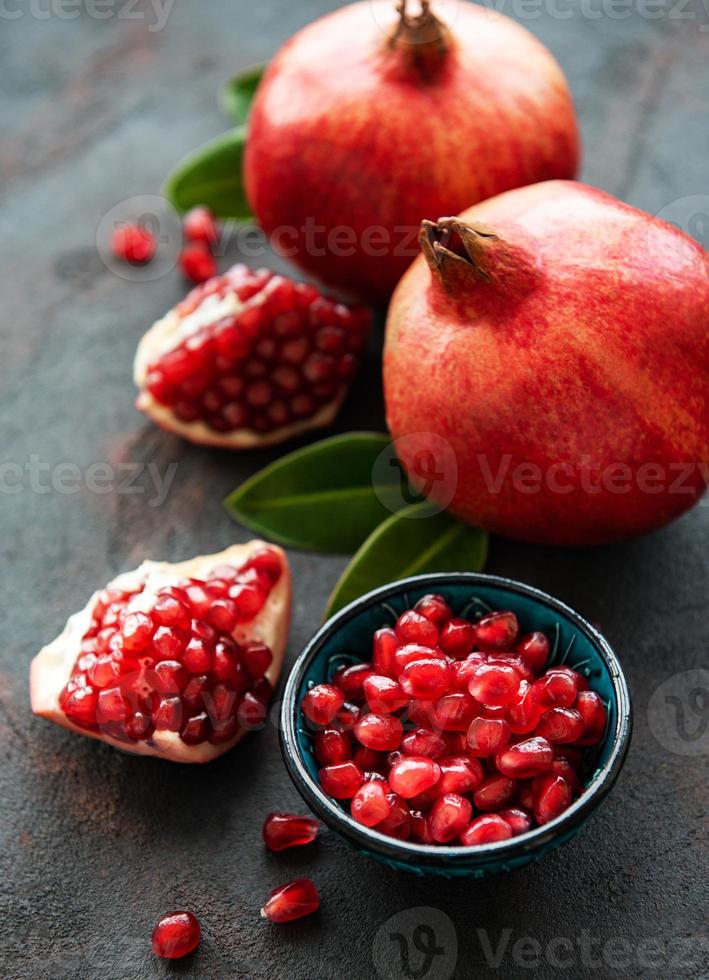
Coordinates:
[249,359]
[554,342]
[374,116]
[176,661]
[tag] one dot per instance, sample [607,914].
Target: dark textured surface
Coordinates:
[96,844]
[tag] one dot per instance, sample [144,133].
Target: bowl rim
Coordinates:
[406,851]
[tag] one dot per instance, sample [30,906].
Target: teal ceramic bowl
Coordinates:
[347,639]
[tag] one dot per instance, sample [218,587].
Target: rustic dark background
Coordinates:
[96,844]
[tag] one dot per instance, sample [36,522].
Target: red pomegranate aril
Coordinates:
[342,780]
[497,631]
[197,657]
[251,713]
[423,742]
[226,666]
[435,608]
[414,627]
[197,729]
[223,615]
[383,733]
[103,672]
[168,714]
[486,736]
[351,680]
[454,712]
[197,263]
[456,743]
[169,611]
[256,657]
[561,725]
[283,830]
[563,767]
[534,650]
[557,688]
[134,244]
[398,822]
[495,685]
[494,792]
[486,829]
[449,817]
[551,795]
[332,746]
[193,694]
[457,638]
[412,775]
[198,225]
[420,827]
[176,935]
[386,643]
[291,901]
[169,677]
[525,759]
[347,716]
[369,759]
[594,716]
[518,819]
[383,694]
[459,774]
[411,652]
[370,805]
[169,643]
[523,714]
[427,679]
[137,632]
[321,703]
[512,660]
[464,670]
[267,562]
[112,707]
[80,706]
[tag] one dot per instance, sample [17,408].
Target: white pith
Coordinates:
[51,668]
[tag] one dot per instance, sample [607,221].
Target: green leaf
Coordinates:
[413,541]
[322,497]
[213,176]
[238,93]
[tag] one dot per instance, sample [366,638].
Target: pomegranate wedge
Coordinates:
[177,661]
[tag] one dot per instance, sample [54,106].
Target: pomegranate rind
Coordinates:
[51,668]
[165,335]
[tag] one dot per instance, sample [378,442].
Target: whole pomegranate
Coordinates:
[177,661]
[556,340]
[372,117]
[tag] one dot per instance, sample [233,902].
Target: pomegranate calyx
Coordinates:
[421,35]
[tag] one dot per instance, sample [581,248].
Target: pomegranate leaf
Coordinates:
[238,93]
[322,497]
[413,541]
[213,176]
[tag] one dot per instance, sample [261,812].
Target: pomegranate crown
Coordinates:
[419,33]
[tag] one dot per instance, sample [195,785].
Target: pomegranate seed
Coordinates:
[370,804]
[557,688]
[562,767]
[551,796]
[514,661]
[332,746]
[103,671]
[176,935]
[455,712]
[519,820]
[498,631]
[291,901]
[561,725]
[411,652]
[414,627]
[342,780]
[380,732]
[267,562]
[449,817]
[383,694]
[464,670]
[495,684]
[197,263]
[169,611]
[457,638]
[524,795]
[197,658]
[428,679]
[523,714]
[137,632]
[321,703]
[80,706]
[198,225]
[168,715]
[398,822]
[412,775]
[351,680]
[197,729]
[386,643]
[223,615]
[257,658]
[420,827]
[534,650]
[423,742]
[459,774]
[435,608]
[487,829]
[494,793]
[486,736]
[112,707]
[593,713]
[368,759]
[283,830]
[525,759]
[169,677]
[347,716]
[169,643]
[133,244]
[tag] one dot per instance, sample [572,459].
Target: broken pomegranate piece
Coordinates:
[249,358]
[176,661]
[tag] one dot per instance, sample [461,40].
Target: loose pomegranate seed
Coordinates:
[487,829]
[427,679]
[383,694]
[412,775]
[494,793]
[449,817]
[459,774]
[398,822]
[512,660]
[518,819]
[386,643]
[423,742]
[414,627]
[435,608]
[534,650]
[383,733]
[457,638]
[321,703]
[498,631]
[454,712]
[464,670]
[197,263]
[525,759]
[551,796]
[370,804]
[369,760]
[562,767]
[332,746]
[593,713]
[411,652]
[523,714]
[198,225]
[495,685]
[283,830]
[291,901]
[351,680]
[342,780]
[347,716]
[557,688]
[561,725]
[486,736]
[133,244]
[176,935]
